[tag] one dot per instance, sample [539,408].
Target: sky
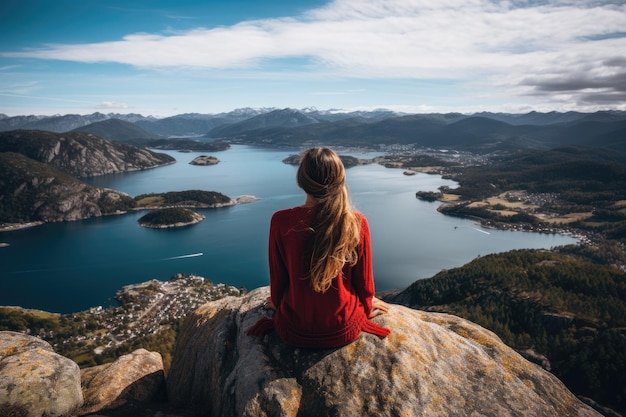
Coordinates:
[168,57]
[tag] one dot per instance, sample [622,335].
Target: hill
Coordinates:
[196,124]
[33,192]
[118,131]
[277,118]
[470,133]
[80,154]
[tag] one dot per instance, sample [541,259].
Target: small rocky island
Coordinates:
[170,217]
[205,160]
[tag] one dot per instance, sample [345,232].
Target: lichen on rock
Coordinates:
[34,380]
[137,376]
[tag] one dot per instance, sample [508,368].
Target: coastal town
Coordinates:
[143,309]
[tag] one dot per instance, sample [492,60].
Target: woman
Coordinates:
[321,276]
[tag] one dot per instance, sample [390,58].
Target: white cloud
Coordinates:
[112,105]
[519,46]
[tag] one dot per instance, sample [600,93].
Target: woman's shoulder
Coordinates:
[297,212]
[362,222]
[360,216]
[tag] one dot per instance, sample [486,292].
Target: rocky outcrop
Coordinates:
[136,377]
[35,381]
[80,154]
[431,364]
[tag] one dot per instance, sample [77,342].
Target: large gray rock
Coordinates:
[137,377]
[431,364]
[35,381]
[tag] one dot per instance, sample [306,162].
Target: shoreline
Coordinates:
[9,227]
[243,199]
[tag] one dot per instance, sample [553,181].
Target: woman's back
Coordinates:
[321,276]
[303,315]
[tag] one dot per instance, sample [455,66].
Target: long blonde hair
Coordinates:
[336,229]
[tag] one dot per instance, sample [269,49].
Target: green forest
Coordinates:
[189,198]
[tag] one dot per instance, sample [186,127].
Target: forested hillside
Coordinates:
[568,304]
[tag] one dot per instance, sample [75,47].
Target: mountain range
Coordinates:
[483,132]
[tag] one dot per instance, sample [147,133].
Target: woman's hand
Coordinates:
[269,305]
[378,307]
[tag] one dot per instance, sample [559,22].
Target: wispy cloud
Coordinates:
[60,99]
[338,93]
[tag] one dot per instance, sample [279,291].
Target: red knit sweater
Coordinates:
[304,317]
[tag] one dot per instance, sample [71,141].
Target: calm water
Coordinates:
[72,266]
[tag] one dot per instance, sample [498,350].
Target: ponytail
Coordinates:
[336,229]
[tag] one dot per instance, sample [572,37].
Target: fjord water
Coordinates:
[71,266]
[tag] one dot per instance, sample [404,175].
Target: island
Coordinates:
[205,160]
[187,198]
[174,208]
[170,217]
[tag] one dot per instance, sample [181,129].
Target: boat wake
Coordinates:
[192,255]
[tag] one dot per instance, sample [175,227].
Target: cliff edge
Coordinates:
[431,364]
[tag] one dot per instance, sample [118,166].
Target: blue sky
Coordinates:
[166,57]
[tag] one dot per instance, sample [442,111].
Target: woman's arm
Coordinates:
[363,272]
[279,277]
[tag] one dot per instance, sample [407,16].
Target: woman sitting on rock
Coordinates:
[320,261]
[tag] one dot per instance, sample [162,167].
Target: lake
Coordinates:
[71,266]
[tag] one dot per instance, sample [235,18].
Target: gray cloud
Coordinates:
[602,99]
[578,82]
